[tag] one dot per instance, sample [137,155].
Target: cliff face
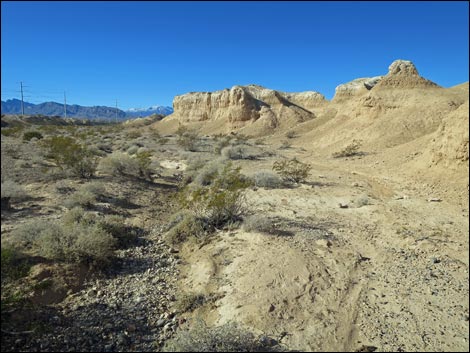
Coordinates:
[243,105]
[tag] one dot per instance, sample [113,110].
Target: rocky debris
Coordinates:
[434,199]
[127,310]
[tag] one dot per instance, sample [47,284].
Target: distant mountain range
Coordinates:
[13,106]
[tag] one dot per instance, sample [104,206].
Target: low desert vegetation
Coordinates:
[78,237]
[229,337]
[292,170]
[189,141]
[70,155]
[13,191]
[350,150]
[215,201]
[240,152]
[29,135]
[257,223]
[268,180]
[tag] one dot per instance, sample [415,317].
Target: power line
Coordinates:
[65,106]
[22,102]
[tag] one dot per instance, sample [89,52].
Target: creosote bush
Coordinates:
[189,141]
[351,150]
[118,163]
[68,154]
[210,206]
[27,136]
[292,170]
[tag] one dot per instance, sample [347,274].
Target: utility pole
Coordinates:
[22,102]
[116,112]
[65,106]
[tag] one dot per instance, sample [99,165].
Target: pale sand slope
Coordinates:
[392,274]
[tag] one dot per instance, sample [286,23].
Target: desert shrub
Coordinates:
[14,264]
[285,145]
[350,150]
[118,163]
[207,173]
[27,136]
[267,179]
[290,134]
[12,131]
[13,191]
[134,134]
[183,226]
[64,187]
[220,202]
[77,237]
[182,129]
[123,234]
[256,223]
[27,233]
[189,141]
[226,338]
[144,161]
[189,301]
[292,170]
[78,242]
[362,200]
[66,153]
[132,150]
[240,152]
[221,143]
[86,196]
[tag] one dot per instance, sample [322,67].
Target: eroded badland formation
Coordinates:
[368,252]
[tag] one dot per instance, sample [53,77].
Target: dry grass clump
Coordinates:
[189,301]
[118,163]
[240,152]
[78,237]
[257,223]
[86,196]
[268,180]
[13,191]
[63,241]
[229,337]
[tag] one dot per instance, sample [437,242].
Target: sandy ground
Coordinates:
[387,273]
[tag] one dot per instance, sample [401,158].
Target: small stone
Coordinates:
[271,308]
[343,205]
[434,199]
[160,323]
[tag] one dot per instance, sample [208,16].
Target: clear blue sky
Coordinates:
[145,53]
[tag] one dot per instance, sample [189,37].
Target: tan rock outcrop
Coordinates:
[244,105]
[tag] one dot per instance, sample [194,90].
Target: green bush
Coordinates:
[66,153]
[184,226]
[14,265]
[118,163]
[27,136]
[189,141]
[226,338]
[292,170]
[220,202]
[12,131]
[13,191]
[144,160]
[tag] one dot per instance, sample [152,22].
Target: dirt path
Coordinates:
[388,273]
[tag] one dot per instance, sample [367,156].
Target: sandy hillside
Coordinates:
[388,271]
